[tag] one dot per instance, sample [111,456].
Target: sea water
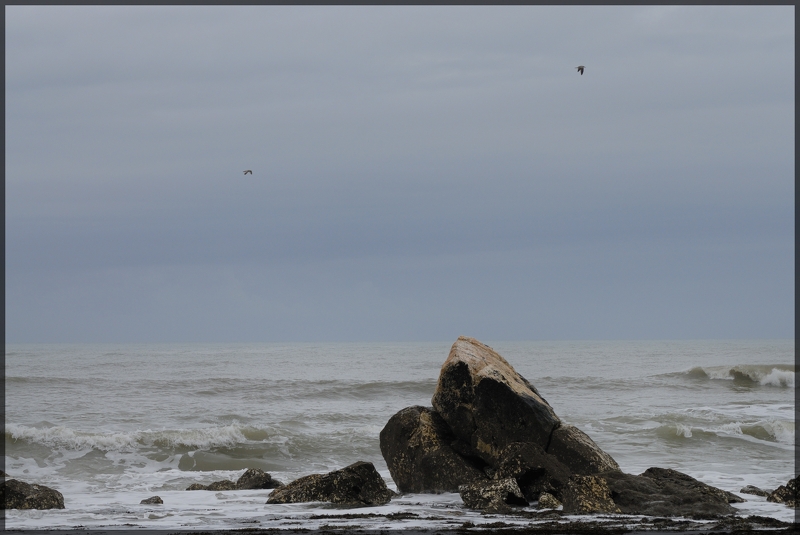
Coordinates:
[111,425]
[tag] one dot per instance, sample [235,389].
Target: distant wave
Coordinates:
[60,437]
[767,431]
[779,375]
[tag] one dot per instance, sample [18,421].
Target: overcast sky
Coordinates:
[419,173]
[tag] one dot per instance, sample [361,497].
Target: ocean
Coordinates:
[111,425]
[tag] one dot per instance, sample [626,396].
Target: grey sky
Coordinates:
[419,172]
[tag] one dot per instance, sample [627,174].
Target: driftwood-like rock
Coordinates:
[496,496]
[255,478]
[588,494]
[358,484]
[15,494]
[416,445]
[476,386]
[225,484]
[786,494]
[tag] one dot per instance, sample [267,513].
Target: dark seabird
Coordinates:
[580,69]
[248,172]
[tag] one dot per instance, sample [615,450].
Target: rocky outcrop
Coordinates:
[416,443]
[15,494]
[489,424]
[495,496]
[153,500]
[786,494]
[253,478]
[358,484]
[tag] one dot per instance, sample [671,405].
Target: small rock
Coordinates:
[750,489]
[548,501]
[255,478]
[15,494]
[786,494]
[588,494]
[153,500]
[358,484]
[494,496]
[197,486]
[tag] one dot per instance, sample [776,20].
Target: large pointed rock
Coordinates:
[416,446]
[487,404]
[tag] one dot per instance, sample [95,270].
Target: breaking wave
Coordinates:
[776,375]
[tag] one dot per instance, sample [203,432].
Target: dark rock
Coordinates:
[579,453]
[534,470]
[750,489]
[680,479]
[495,496]
[475,386]
[668,493]
[225,484]
[153,500]
[357,484]
[786,494]
[255,478]
[16,494]
[588,494]
[416,446]
[548,501]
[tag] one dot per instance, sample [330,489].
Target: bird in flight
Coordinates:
[580,69]
[248,172]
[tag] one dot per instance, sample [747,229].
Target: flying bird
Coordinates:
[248,172]
[580,69]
